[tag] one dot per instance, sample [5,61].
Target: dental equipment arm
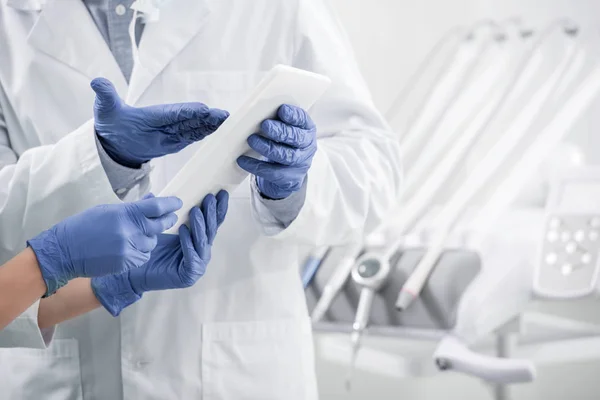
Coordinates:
[444,94]
[506,370]
[417,205]
[490,167]
[336,282]
[455,34]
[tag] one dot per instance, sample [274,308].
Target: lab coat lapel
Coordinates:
[66,32]
[162,40]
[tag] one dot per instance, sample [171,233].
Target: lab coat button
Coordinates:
[120,10]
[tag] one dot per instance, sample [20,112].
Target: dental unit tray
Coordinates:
[434,310]
[213,167]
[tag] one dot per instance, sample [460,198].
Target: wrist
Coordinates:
[267,190]
[31,272]
[114,292]
[114,155]
[53,264]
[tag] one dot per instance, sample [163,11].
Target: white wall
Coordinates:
[390,38]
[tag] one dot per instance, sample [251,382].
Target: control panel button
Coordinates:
[551,258]
[586,258]
[566,269]
[571,247]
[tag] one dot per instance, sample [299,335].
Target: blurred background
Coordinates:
[390,39]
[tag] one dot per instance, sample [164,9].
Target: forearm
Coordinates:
[70,301]
[21,284]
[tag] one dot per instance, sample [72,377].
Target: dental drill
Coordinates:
[370,273]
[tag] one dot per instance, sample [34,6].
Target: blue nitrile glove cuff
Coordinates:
[51,260]
[118,156]
[114,292]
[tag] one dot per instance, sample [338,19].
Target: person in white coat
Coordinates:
[243,331]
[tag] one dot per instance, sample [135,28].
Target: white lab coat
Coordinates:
[242,331]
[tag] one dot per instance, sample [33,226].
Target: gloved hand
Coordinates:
[106,239]
[132,136]
[288,145]
[176,262]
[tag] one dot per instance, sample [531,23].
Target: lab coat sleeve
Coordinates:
[355,175]
[46,184]
[24,331]
[275,215]
[125,181]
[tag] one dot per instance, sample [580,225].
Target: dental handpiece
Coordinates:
[336,282]
[370,273]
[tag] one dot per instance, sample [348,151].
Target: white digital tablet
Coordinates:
[217,154]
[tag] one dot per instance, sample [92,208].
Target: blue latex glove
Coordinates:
[132,136]
[176,262]
[107,239]
[288,146]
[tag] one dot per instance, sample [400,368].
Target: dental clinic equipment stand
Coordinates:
[488,168]
[451,351]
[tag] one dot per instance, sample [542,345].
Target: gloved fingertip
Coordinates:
[148,196]
[102,85]
[255,141]
[183,230]
[177,202]
[285,113]
[196,214]
[222,196]
[266,126]
[97,82]
[243,161]
[209,201]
